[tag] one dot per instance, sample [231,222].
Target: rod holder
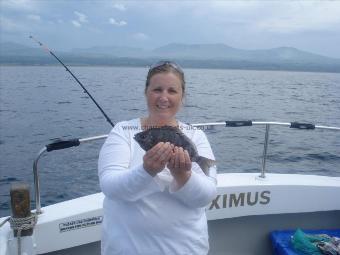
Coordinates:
[21,206]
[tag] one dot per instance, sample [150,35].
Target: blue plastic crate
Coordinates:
[281,240]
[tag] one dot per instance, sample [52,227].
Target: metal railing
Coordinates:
[58,145]
[63,144]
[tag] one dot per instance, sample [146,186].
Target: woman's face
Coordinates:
[164,96]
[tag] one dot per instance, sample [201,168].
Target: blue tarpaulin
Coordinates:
[281,240]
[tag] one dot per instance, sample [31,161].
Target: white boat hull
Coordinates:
[241,217]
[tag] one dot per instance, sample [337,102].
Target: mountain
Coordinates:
[198,51]
[224,52]
[113,51]
[188,55]
[15,49]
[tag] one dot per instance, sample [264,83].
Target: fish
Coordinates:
[150,137]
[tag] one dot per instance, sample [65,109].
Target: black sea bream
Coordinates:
[150,137]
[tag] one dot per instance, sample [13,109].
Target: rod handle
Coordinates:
[300,125]
[62,144]
[238,123]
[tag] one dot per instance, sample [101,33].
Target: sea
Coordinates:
[40,104]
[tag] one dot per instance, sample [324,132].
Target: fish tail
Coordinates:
[204,163]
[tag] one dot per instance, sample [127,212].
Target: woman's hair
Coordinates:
[165,67]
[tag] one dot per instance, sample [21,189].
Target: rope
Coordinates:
[23,223]
[20,224]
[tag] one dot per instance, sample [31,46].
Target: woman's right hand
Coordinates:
[155,159]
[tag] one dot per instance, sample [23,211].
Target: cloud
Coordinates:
[120,7]
[9,25]
[140,36]
[307,16]
[121,23]
[76,23]
[34,17]
[82,18]
[24,5]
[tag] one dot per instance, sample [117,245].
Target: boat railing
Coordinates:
[63,144]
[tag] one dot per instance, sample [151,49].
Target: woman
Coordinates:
[155,200]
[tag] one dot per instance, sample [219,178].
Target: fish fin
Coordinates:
[205,163]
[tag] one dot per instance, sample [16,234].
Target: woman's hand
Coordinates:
[180,166]
[155,159]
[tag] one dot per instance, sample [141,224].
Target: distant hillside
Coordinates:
[224,52]
[188,55]
[15,49]
[199,51]
[113,51]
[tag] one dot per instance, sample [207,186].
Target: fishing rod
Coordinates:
[68,70]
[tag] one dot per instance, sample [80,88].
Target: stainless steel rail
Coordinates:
[261,123]
[36,174]
[76,142]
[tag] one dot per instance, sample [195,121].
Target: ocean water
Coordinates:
[40,104]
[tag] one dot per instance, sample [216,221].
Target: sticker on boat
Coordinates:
[81,223]
[240,199]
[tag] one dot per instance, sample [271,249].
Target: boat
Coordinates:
[246,210]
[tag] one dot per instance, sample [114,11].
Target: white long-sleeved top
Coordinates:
[150,215]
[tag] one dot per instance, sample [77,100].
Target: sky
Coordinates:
[312,26]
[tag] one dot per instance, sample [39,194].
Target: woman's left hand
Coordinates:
[180,165]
